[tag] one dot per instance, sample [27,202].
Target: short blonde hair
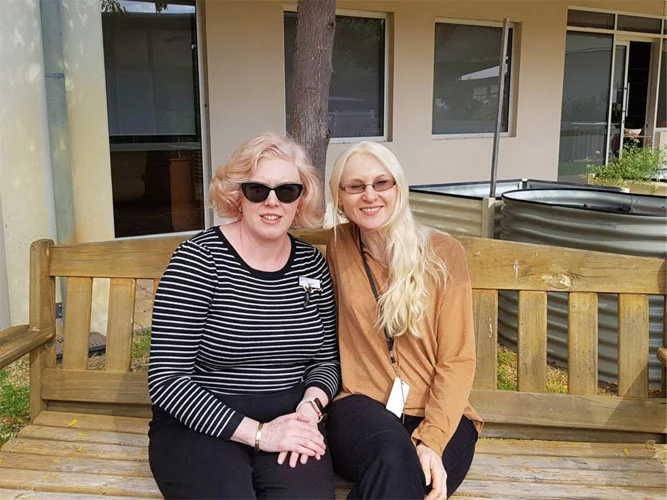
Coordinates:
[408,250]
[225,190]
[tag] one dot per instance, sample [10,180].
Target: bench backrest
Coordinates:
[532,270]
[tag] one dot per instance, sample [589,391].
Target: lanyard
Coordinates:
[387,337]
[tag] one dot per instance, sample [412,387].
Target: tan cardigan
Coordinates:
[439,367]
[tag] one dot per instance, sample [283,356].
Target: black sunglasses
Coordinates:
[256,192]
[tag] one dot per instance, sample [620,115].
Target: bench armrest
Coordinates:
[662,355]
[17,341]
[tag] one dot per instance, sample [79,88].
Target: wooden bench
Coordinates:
[87,436]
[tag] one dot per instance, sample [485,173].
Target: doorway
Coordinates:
[629,98]
[606,98]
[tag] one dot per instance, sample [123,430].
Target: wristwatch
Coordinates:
[315,403]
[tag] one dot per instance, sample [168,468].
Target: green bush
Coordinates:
[634,164]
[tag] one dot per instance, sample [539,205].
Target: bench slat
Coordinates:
[83,436]
[582,343]
[77,323]
[95,386]
[516,489]
[571,410]
[7,494]
[532,342]
[82,465]
[633,346]
[91,421]
[122,293]
[72,449]
[485,306]
[552,474]
[71,482]
[507,265]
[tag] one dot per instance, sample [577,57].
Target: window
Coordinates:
[640,24]
[588,19]
[465,86]
[357,93]
[150,58]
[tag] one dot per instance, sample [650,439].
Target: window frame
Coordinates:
[512,85]
[639,36]
[368,14]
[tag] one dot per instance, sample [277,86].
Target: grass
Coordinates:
[507,373]
[14,399]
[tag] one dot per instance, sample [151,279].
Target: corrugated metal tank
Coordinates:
[466,208]
[593,220]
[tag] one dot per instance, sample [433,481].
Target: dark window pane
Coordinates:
[585,104]
[640,24]
[150,56]
[585,19]
[465,87]
[661,120]
[356,96]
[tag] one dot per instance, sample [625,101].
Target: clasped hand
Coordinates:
[295,433]
[434,472]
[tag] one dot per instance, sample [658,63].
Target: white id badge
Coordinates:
[313,283]
[397,397]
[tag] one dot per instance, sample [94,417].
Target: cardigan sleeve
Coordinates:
[181,306]
[455,355]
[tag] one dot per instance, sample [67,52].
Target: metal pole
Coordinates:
[57,116]
[499,116]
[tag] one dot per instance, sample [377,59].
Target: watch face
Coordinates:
[318,403]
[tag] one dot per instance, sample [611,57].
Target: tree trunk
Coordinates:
[311,76]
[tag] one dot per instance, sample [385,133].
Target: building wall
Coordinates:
[26,192]
[5,319]
[246,82]
[26,180]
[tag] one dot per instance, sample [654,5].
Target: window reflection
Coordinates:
[150,57]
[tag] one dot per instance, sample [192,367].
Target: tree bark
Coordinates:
[311,77]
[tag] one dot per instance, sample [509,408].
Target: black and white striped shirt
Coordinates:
[222,327]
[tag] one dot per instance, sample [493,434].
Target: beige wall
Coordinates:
[5,318]
[26,191]
[89,134]
[26,186]
[246,83]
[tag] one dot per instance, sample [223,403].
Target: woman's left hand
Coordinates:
[295,458]
[434,472]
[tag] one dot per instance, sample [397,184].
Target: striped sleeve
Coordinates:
[180,311]
[324,369]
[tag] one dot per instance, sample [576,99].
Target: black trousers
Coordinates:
[190,465]
[372,447]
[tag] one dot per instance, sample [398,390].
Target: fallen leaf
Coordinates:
[83,434]
[80,448]
[72,423]
[625,451]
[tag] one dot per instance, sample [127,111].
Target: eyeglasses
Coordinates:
[378,186]
[256,192]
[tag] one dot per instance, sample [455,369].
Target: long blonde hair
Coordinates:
[408,251]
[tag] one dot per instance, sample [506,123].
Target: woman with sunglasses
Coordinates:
[402,426]
[243,349]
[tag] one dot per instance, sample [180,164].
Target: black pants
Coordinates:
[372,447]
[190,465]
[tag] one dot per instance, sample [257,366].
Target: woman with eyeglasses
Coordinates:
[244,355]
[402,426]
